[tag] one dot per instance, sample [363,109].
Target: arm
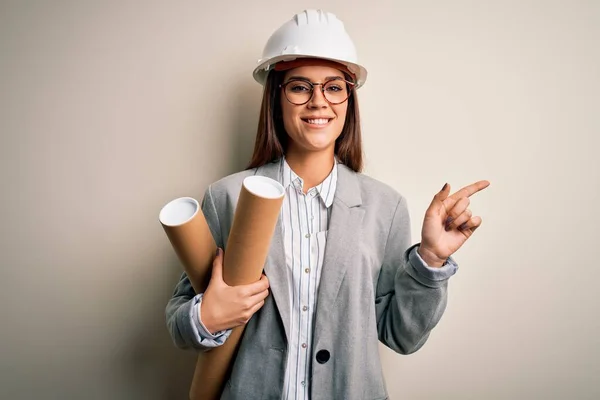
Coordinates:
[183,319]
[411,296]
[183,309]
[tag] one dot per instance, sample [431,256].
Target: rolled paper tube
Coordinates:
[189,234]
[254,222]
[248,244]
[252,230]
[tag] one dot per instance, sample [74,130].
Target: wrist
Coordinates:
[205,320]
[430,258]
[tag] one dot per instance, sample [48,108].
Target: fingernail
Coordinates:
[448,221]
[218,251]
[444,188]
[462,226]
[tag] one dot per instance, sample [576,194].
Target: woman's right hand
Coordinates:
[223,306]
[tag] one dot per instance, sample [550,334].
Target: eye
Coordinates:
[335,86]
[298,87]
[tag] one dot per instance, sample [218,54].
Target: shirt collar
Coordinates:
[325,189]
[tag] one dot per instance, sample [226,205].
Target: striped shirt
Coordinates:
[305,218]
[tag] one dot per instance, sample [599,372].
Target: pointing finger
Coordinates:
[467,191]
[471,189]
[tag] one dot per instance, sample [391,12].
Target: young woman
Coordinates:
[341,274]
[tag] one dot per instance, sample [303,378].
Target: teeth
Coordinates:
[320,121]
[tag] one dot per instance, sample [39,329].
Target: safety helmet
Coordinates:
[310,34]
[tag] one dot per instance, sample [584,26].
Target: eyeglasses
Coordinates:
[300,91]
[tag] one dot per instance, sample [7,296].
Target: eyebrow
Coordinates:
[303,78]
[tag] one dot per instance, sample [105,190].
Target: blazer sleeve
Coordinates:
[410,296]
[181,310]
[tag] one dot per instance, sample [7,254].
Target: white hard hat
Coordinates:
[310,34]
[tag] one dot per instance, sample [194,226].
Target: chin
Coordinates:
[318,147]
[309,140]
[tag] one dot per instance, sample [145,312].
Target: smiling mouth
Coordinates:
[317,121]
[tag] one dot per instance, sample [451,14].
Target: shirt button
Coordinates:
[304,345]
[307,235]
[307,270]
[303,383]
[304,308]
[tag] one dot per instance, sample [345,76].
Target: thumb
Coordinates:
[442,194]
[217,270]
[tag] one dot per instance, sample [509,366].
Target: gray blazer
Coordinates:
[372,289]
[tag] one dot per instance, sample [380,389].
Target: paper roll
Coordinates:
[189,234]
[249,240]
[252,230]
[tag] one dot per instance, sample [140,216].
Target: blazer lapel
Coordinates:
[343,238]
[275,265]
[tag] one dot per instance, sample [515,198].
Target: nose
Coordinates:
[318,99]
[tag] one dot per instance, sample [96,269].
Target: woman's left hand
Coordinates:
[448,223]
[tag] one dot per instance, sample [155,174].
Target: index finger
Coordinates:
[262,283]
[259,286]
[470,190]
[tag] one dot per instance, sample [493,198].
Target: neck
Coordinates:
[313,168]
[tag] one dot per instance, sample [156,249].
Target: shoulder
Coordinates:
[372,187]
[374,191]
[230,184]
[383,205]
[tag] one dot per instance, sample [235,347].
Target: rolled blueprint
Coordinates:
[247,247]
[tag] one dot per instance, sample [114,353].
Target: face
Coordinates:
[314,126]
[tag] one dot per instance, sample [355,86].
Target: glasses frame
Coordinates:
[312,89]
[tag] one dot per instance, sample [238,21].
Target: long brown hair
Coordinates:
[271,138]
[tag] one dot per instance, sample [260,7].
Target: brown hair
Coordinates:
[271,138]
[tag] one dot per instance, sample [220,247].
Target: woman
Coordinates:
[341,270]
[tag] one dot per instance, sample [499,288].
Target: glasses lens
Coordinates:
[298,92]
[336,91]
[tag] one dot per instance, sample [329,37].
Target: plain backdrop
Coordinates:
[110,109]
